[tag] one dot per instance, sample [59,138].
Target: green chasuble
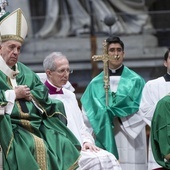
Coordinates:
[160,132]
[32,138]
[122,103]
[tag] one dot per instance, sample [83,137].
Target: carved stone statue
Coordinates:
[65,17]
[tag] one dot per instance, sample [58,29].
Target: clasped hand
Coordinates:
[23,92]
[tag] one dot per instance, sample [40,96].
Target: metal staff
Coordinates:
[105,58]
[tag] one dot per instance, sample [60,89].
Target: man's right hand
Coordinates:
[23,92]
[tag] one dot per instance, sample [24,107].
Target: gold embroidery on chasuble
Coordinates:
[40,152]
[44,111]
[9,146]
[12,136]
[75,165]
[24,118]
[9,82]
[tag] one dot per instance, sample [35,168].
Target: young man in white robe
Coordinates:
[117,127]
[153,91]
[57,70]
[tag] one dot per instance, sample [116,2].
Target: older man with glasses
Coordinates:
[57,69]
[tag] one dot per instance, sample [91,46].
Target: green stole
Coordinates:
[121,104]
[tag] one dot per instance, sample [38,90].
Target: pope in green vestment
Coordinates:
[33,132]
[121,104]
[160,132]
[32,139]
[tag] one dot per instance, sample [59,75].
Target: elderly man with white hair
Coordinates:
[33,134]
[57,69]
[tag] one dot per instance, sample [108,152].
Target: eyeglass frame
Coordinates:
[62,71]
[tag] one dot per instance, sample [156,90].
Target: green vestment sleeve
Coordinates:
[160,132]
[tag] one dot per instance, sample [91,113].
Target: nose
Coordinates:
[16,51]
[116,52]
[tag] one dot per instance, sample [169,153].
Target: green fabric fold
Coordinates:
[160,132]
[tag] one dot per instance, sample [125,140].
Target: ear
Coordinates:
[165,63]
[123,54]
[48,72]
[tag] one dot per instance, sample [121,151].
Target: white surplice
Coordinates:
[101,160]
[130,137]
[153,91]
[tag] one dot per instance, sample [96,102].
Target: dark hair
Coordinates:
[113,39]
[166,54]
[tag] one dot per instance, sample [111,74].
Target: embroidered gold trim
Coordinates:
[39,105]
[57,113]
[12,37]
[18,25]
[23,114]
[9,146]
[9,82]
[40,152]
[25,123]
[75,165]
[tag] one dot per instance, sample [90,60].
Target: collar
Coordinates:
[116,72]
[7,70]
[53,89]
[167,77]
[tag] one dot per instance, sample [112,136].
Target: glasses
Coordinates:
[63,71]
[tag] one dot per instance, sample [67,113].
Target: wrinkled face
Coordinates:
[10,50]
[115,49]
[60,76]
[167,63]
